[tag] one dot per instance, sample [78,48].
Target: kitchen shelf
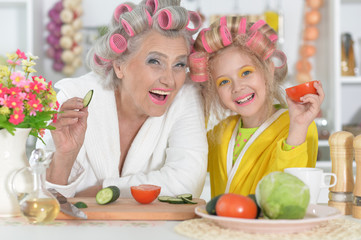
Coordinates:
[351,80]
[16,23]
[323,143]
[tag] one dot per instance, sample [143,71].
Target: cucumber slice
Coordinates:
[186,195]
[186,200]
[164,198]
[175,200]
[87,98]
[107,195]
[80,205]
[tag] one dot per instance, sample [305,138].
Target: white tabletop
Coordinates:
[18,229]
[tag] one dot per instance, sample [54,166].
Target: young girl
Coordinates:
[243,72]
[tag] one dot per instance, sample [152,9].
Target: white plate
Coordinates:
[315,215]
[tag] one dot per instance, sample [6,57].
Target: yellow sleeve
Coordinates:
[304,155]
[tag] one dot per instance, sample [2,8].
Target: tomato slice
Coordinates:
[296,92]
[237,206]
[145,193]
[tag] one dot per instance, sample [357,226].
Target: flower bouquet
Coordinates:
[26,101]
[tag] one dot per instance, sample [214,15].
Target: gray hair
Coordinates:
[130,23]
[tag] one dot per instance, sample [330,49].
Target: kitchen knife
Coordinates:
[66,207]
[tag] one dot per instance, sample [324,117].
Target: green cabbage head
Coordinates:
[282,196]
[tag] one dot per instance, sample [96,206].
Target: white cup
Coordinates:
[314,178]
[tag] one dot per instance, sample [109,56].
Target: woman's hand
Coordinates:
[302,114]
[68,138]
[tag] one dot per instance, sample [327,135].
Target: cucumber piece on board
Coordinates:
[186,195]
[107,195]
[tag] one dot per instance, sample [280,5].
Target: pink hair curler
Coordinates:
[204,41]
[225,35]
[242,26]
[117,43]
[279,56]
[223,21]
[198,66]
[96,59]
[153,4]
[257,25]
[269,53]
[195,19]
[127,28]
[165,19]
[273,37]
[122,8]
[149,17]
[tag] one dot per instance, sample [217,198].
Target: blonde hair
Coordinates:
[257,40]
[129,25]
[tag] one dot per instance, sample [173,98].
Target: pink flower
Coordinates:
[41,132]
[36,105]
[14,102]
[17,78]
[17,117]
[37,86]
[11,62]
[21,54]
[2,90]
[14,91]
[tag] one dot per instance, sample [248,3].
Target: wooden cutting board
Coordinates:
[129,209]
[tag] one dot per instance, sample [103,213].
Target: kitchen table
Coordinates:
[17,228]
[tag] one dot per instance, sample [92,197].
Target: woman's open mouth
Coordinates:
[245,100]
[159,96]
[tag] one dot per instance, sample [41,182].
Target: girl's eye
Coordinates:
[245,71]
[223,81]
[153,61]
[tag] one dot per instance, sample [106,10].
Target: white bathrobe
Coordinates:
[169,151]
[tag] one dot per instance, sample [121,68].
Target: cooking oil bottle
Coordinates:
[37,205]
[271,13]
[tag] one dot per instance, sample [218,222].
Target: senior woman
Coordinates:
[145,123]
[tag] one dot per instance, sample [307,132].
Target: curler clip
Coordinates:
[127,28]
[117,43]
[153,4]
[149,17]
[242,26]
[122,8]
[204,41]
[257,25]
[225,35]
[165,19]
[279,59]
[195,19]
[99,60]
[198,66]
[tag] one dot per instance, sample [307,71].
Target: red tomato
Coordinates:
[237,206]
[145,193]
[296,92]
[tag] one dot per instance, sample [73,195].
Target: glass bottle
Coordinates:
[37,204]
[271,13]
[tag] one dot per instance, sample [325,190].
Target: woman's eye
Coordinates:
[181,65]
[153,61]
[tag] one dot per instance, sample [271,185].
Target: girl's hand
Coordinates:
[68,138]
[302,114]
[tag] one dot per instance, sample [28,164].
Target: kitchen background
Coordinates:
[24,23]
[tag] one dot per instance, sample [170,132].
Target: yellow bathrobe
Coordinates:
[261,155]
